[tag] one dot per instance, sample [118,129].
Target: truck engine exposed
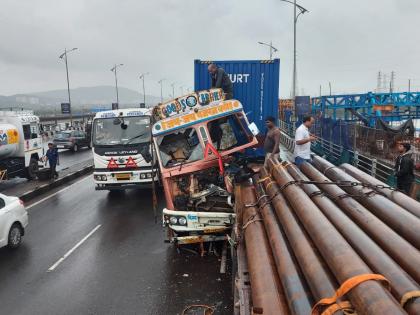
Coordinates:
[202,191]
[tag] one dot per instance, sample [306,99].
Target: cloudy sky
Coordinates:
[342,42]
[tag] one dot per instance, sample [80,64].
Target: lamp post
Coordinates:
[181,88]
[64,56]
[272,48]
[144,91]
[302,10]
[114,69]
[161,89]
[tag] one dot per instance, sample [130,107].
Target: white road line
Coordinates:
[56,193]
[58,262]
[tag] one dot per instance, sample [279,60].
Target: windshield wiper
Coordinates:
[136,137]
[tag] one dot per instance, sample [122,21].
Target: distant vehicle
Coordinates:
[71,139]
[20,144]
[122,149]
[13,221]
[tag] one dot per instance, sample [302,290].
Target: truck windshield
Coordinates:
[182,146]
[129,131]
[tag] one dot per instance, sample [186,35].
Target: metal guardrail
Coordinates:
[338,155]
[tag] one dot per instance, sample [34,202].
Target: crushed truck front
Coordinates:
[196,137]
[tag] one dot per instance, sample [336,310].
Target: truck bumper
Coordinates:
[122,180]
[199,227]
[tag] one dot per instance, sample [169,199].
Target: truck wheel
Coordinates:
[75,148]
[15,236]
[32,169]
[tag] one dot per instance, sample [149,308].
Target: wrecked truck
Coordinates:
[196,137]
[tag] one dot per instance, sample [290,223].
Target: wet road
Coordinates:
[122,266]
[67,159]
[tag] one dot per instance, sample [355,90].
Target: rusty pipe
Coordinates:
[406,255]
[398,197]
[294,287]
[369,297]
[319,278]
[372,254]
[267,294]
[400,220]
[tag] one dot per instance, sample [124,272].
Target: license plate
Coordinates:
[213,230]
[123,176]
[60,146]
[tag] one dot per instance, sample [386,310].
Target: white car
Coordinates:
[13,221]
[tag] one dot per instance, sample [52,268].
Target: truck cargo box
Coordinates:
[255,85]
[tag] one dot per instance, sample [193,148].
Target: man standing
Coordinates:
[303,141]
[220,79]
[404,168]
[53,160]
[272,139]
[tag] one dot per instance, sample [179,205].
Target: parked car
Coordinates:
[71,139]
[13,221]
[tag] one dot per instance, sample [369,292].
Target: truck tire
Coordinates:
[75,148]
[14,238]
[32,169]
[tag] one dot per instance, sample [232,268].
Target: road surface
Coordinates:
[115,260]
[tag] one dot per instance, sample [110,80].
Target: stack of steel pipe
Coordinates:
[330,244]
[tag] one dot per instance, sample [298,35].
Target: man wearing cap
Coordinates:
[53,159]
[404,168]
[220,79]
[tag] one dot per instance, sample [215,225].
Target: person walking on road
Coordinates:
[53,159]
[404,168]
[220,79]
[272,139]
[303,141]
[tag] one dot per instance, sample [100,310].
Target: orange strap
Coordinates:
[269,184]
[261,180]
[408,296]
[347,285]
[339,306]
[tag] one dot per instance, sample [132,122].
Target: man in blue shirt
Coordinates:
[53,160]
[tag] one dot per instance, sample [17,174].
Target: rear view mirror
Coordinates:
[254,129]
[116,121]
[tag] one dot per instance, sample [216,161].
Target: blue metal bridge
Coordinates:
[388,106]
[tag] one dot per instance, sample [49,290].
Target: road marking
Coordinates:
[56,193]
[58,262]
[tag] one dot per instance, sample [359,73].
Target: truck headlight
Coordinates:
[149,175]
[173,220]
[182,221]
[142,175]
[103,177]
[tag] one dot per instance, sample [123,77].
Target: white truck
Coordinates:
[122,151]
[21,144]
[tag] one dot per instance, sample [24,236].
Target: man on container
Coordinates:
[404,168]
[303,141]
[272,139]
[220,79]
[53,160]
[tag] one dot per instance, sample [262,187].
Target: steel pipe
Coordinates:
[400,220]
[267,293]
[295,289]
[398,197]
[319,278]
[372,254]
[406,255]
[369,297]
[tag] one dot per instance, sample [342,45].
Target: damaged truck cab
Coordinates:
[196,137]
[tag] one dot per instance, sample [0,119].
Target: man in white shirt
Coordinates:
[303,141]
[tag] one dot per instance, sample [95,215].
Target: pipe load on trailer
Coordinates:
[331,247]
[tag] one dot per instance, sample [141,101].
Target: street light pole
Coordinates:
[114,69]
[272,48]
[161,90]
[144,91]
[295,19]
[173,90]
[64,55]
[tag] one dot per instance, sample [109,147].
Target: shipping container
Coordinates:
[255,85]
